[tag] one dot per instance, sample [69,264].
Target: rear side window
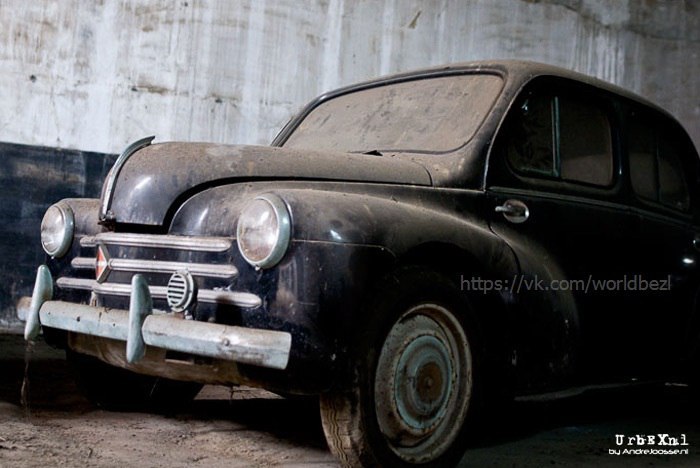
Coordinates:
[673,190]
[656,170]
[642,155]
[561,137]
[585,143]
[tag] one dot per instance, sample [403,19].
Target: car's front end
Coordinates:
[240,282]
[326,264]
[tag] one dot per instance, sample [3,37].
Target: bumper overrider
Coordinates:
[141,325]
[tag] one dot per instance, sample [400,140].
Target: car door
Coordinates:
[557,198]
[663,169]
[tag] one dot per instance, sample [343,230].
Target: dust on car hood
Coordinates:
[158,178]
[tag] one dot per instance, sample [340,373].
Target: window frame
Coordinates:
[555,90]
[660,125]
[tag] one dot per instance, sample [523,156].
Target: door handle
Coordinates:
[514,211]
[696,242]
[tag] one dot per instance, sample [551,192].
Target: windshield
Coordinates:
[424,115]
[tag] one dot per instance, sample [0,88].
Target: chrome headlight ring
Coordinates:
[264,230]
[57,228]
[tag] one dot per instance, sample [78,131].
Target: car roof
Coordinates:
[515,72]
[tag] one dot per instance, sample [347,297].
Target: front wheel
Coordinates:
[415,382]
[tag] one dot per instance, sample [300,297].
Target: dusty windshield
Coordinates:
[425,115]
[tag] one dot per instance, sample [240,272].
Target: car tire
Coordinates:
[415,371]
[116,389]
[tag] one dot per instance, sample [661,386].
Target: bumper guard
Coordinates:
[139,327]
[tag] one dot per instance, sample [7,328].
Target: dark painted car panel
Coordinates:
[158,175]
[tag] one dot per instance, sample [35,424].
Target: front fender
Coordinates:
[345,238]
[399,219]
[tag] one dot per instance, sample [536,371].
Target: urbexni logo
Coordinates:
[665,440]
[650,444]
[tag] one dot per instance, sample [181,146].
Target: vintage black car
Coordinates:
[413,249]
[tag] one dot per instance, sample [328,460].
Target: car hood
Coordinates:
[155,180]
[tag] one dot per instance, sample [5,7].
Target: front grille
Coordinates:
[159,257]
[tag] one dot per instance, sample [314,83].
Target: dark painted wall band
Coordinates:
[31,179]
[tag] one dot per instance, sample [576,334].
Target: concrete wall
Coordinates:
[97,75]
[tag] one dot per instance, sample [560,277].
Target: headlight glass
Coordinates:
[57,229]
[263,231]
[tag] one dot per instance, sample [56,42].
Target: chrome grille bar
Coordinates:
[157,266]
[239,299]
[83,263]
[194,243]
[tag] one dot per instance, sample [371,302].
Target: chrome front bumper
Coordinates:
[140,326]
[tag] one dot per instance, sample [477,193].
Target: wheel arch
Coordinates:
[492,311]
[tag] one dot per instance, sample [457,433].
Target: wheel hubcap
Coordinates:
[424,370]
[423,383]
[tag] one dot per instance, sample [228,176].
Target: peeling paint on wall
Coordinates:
[98,75]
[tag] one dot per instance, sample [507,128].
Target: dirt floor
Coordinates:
[249,428]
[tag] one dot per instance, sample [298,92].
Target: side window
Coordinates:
[529,145]
[561,137]
[656,170]
[642,155]
[585,143]
[673,190]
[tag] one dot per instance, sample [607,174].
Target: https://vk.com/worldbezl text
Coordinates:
[521,284]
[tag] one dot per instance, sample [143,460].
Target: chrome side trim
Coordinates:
[83,263]
[117,289]
[75,283]
[239,299]
[157,266]
[200,244]
[108,191]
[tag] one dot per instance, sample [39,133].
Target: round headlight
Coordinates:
[263,231]
[57,229]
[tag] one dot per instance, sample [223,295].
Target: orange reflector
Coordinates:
[102,264]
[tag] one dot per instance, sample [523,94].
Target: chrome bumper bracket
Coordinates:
[43,291]
[140,307]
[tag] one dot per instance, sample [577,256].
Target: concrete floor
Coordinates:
[254,428]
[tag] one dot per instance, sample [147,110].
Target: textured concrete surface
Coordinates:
[94,76]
